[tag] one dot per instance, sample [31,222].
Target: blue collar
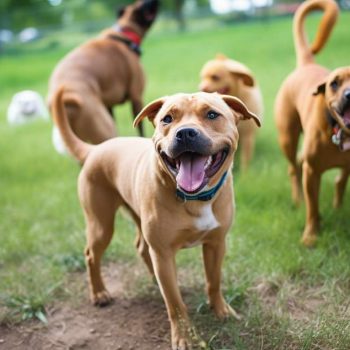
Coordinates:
[202,196]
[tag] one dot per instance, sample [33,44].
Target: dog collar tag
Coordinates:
[335,139]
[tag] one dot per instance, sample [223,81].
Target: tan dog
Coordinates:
[230,77]
[317,102]
[178,189]
[104,72]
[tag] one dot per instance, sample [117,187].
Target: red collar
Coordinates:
[131,35]
[128,37]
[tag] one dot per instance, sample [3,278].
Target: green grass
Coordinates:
[290,297]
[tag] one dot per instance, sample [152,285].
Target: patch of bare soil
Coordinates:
[299,304]
[132,321]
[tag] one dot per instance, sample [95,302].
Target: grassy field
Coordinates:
[290,297]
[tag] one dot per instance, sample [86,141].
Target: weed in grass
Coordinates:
[73,262]
[26,308]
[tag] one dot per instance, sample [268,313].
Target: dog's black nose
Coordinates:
[189,139]
[186,134]
[347,94]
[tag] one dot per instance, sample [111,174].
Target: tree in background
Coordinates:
[176,6]
[19,14]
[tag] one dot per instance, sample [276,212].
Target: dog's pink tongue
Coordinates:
[191,173]
[346,117]
[346,145]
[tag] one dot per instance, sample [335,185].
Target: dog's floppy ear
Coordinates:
[150,111]
[321,89]
[248,80]
[241,71]
[240,108]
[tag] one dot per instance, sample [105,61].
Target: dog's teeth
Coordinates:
[209,162]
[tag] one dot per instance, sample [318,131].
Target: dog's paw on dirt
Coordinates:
[101,299]
[181,344]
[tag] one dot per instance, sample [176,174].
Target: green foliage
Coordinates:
[73,262]
[19,14]
[26,308]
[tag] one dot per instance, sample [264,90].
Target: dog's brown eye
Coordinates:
[167,119]
[334,85]
[215,77]
[212,115]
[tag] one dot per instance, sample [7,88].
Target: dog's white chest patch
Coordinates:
[207,221]
[202,225]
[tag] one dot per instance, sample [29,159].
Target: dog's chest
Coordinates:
[207,220]
[202,224]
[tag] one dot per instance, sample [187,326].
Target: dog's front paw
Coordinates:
[101,298]
[309,241]
[184,336]
[181,344]
[223,310]
[309,237]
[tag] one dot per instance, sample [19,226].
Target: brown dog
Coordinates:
[317,102]
[104,72]
[178,189]
[230,77]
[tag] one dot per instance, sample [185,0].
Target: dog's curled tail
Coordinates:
[76,147]
[305,52]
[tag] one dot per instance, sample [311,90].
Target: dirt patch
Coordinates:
[133,321]
[299,304]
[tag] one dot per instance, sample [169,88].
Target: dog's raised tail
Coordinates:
[305,52]
[76,147]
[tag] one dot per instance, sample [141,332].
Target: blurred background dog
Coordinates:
[104,72]
[229,77]
[26,106]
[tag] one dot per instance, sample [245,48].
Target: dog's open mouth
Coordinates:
[224,90]
[342,117]
[346,116]
[341,136]
[193,170]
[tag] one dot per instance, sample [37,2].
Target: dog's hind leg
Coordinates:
[136,108]
[289,127]
[340,186]
[135,93]
[111,112]
[100,204]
